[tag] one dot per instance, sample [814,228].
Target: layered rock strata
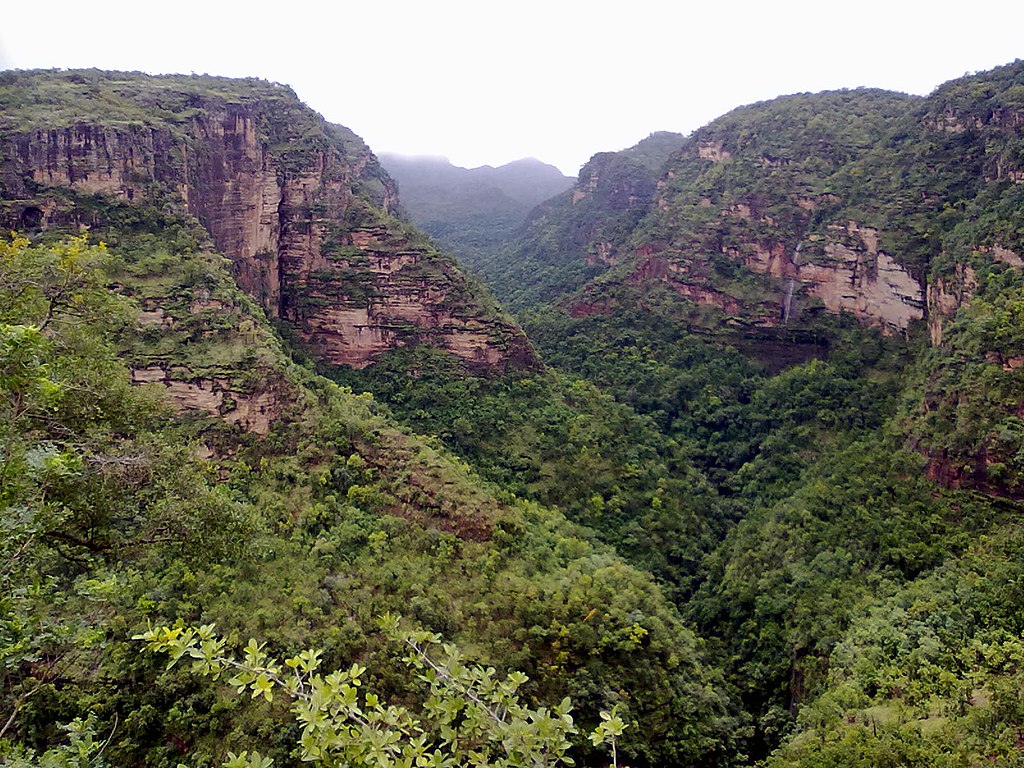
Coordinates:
[301,207]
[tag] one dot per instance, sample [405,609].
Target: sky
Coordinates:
[492,81]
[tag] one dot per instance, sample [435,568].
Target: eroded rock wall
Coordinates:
[843,270]
[284,217]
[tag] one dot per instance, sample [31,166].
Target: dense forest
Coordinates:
[739,483]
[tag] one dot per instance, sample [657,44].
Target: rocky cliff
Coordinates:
[899,211]
[772,215]
[870,203]
[750,216]
[301,207]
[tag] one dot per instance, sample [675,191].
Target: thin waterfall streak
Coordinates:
[787,303]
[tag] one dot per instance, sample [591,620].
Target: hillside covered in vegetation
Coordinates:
[746,490]
[804,303]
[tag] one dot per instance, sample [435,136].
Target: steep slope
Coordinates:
[761,219]
[964,410]
[851,597]
[370,300]
[849,555]
[300,206]
[860,202]
[886,208]
[816,312]
[230,485]
[758,188]
[862,249]
[202,476]
[562,442]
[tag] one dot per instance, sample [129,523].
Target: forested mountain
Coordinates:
[301,207]
[472,211]
[231,485]
[570,238]
[750,481]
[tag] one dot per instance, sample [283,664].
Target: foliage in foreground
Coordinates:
[469,715]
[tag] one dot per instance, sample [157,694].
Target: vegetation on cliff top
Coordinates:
[45,100]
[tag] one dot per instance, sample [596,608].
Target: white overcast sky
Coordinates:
[491,81]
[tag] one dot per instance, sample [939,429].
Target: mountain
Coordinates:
[472,210]
[817,302]
[762,188]
[300,206]
[433,188]
[877,206]
[759,504]
[169,455]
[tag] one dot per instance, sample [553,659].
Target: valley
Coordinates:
[721,441]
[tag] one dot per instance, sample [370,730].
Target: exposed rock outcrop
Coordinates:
[712,150]
[856,277]
[287,197]
[252,411]
[945,296]
[404,300]
[613,190]
[762,190]
[846,273]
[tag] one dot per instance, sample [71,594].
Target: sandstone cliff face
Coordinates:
[282,194]
[199,346]
[613,191]
[945,296]
[618,183]
[378,291]
[236,192]
[841,270]
[252,411]
[753,215]
[91,159]
[851,275]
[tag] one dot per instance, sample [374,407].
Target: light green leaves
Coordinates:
[610,727]
[247,760]
[470,715]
